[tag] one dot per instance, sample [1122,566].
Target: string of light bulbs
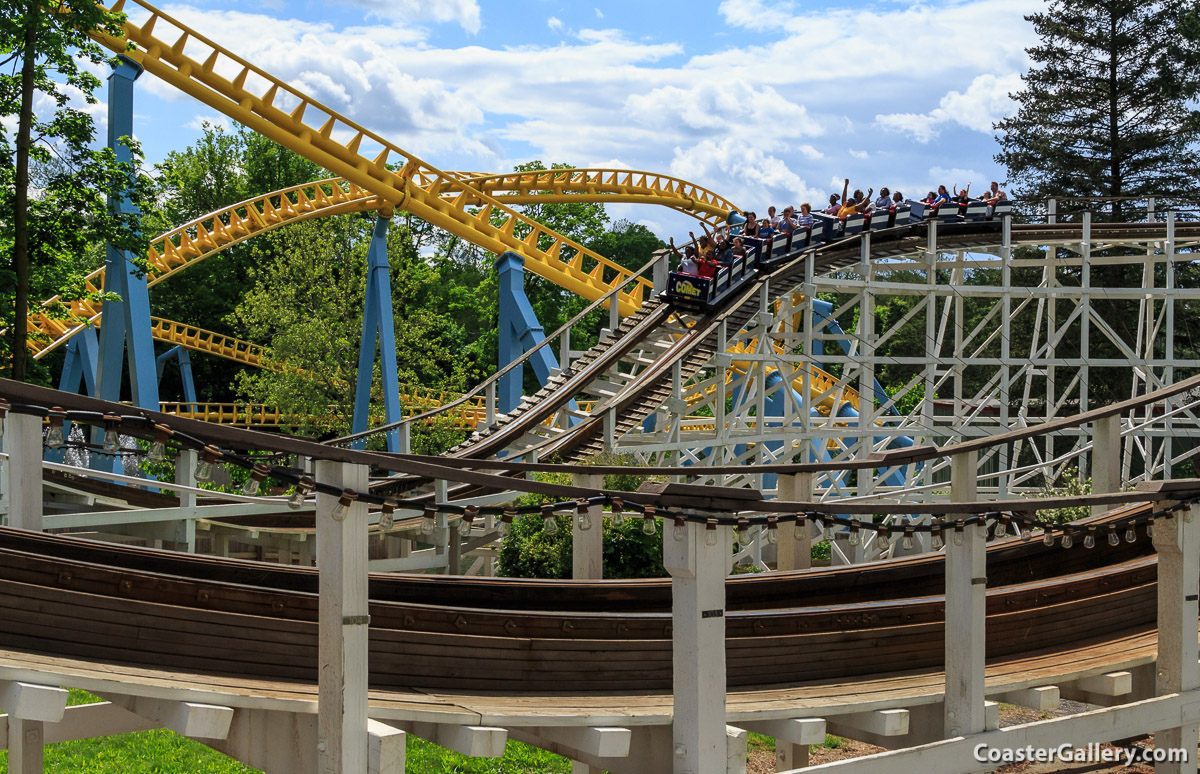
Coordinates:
[857,529]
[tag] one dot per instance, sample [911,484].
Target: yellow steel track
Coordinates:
[201,68]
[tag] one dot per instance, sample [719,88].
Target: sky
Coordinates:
[763,101]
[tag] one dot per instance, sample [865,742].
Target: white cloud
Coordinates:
[555,24]
[465,12]
[985,102]
[599,13]
[754,14]
[723,105]
[217,121]
[749,176]
[861,155]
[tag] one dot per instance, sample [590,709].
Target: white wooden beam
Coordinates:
[23,442]
[343,621]
[1103,690]
[385,748]
[1177,542]
[1043,698]
[736,740]
[698,646]
[958,754]
[88,721]
[25,743]
[966,609]
[890,722]
[587,545]
[601,742]
[26,701]
[471,741]
[186,718]
[794,553]
[803,731]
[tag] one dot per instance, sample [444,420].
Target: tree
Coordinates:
[1108,108]
[45,228]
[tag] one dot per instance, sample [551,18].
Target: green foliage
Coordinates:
[53,184]
[164,752]
[1069,485]
[529,552]
[218,170]
[1108,107]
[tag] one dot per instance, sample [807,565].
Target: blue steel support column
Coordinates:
[185,370]
[126,322]
[520,332]
[378,323]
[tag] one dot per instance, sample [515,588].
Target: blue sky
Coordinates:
[764,102]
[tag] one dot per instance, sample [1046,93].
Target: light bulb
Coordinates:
[773,535]
[882,540]
[648,526]
[1089,540]
[250,487]
[618,517]
[1023,533]
[340,512]
[158,452]
[829,531]
[112,441]
[504,528]
[1113,538]
[1047,538]
[204,470]
[428,521]
[983,530]
[680,531]
[936,540]
[550,525]
[960,536]
[585,521]
[296,500]
[464,527]
[1067,540]
[54,437]
[710,534]
[801,530]
[387,516]
[1188,516]
[853,539]
[1130,534]
[256,478]
[907,542]
[1150,528]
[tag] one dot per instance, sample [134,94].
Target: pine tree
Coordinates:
[1107,109]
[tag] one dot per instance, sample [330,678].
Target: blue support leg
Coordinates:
[520,332]
[378,324]
[126,323]
[185,370]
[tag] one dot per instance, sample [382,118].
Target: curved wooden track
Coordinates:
[70,598]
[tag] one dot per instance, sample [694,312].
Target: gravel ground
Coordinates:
[763,761]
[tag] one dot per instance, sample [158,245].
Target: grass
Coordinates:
[165,752]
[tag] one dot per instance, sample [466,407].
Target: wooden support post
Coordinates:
[698,572]
[342,560]
[1106,457]
[185,474]
[966,608]
[587,545]
[25,743]
[23,441]
[1178,545]
[793,553]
